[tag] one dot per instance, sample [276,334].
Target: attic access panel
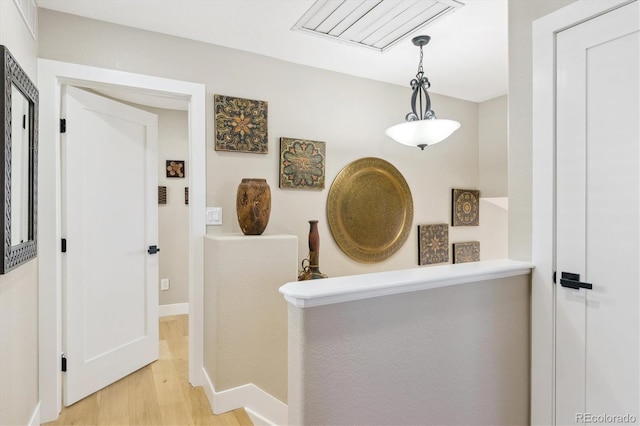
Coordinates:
[374,24]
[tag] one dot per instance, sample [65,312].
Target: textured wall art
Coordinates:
[465,209]
[466,252]
[162,195]
[433,244]
[175,169]
[241,125]
[302,163]
[186,195]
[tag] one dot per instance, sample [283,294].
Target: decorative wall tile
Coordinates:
[433,243]
[186,195]
[302,164]
[465,208]
[162,195]
[466,252]
[175,169]
[241,125]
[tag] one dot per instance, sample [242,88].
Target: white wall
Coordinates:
[494,228]
[445,356]
[521,14]
[15,35]
[350,114]
[19,288]
[173,217]
[19,344]
[493,178]
[245,325]
[493,147]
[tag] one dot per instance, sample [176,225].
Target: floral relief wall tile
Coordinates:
[302,164]
[466,252]
[433,244]
[241,125]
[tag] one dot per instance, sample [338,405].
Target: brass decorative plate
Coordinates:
[370,210]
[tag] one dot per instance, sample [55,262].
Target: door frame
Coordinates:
[52,75]
[543,243]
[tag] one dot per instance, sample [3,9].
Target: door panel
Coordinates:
[109,179]
[613,233]
[598,216]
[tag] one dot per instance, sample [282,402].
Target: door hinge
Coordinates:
[63,363]
[554,277]
[63,125]
[63,245]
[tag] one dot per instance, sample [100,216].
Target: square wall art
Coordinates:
[466,252]
[465,208]
[162,195]
[175,169]
[433,244]
[241,125]
[302,164]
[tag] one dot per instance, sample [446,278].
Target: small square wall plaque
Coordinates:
[302,164]
[241,125]
[433,243]
[175,168]
[466,252]
[465,209]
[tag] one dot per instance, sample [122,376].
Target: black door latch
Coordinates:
[153,249]
[573,281]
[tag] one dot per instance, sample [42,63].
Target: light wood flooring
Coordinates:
[158,394]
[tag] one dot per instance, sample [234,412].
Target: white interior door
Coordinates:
[598,218]
[109,190]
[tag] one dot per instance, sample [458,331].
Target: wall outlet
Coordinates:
[164,284]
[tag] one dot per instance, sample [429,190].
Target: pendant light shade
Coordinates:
[422,128]
[422,133]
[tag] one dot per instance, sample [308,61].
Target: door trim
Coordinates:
[543,253]
[52,75]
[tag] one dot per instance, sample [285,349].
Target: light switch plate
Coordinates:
[214,216]
[164,284]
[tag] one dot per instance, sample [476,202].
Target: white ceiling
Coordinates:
[466,58]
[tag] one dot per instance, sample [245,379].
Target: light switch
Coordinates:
[214,215]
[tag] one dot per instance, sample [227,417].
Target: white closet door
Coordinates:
[598,217]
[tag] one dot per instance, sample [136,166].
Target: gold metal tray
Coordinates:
[370,210]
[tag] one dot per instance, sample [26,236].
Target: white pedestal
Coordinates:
[245,317]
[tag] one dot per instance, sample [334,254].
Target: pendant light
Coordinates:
[422,128]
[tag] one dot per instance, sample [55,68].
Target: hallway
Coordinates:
[158,394]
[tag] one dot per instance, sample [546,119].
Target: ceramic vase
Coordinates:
[253,205]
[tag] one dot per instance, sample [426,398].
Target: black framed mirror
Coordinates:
[19,162]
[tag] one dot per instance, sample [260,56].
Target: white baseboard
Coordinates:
[173,309]
[35,417]
[258,420]
[262,408]
[209,390]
